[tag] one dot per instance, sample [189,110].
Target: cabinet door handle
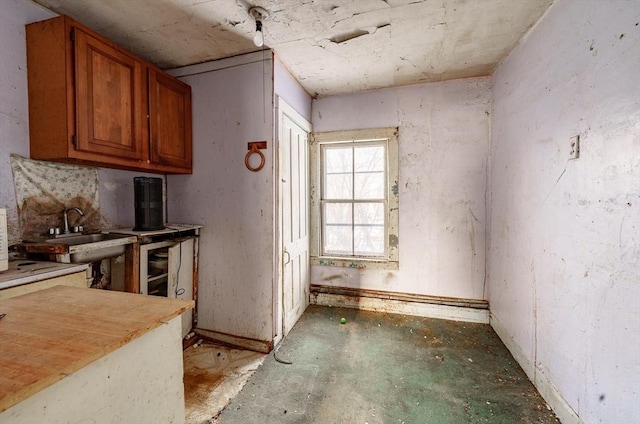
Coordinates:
[288,257]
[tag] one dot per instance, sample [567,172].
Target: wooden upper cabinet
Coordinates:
[109,91]
[92,102]
[169,111]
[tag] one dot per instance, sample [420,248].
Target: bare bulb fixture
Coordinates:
[260,15]
[258,38]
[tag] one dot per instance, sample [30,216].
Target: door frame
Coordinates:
[282,109]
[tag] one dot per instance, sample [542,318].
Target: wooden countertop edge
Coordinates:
[18,396]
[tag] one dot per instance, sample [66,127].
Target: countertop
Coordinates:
[169,228]
[25,271]
[49,334]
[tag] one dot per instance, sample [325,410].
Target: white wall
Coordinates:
[116,187]
[117,196]
[564,251]
[14,109]
[232,105]
[443,151]
[286,87]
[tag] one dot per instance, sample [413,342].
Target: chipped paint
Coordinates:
[342,48]
[390,258]
[394,188]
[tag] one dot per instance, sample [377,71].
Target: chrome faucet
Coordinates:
[66,217]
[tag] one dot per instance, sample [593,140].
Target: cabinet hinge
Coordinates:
[74,140]
[73,34]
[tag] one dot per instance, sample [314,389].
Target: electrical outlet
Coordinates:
[574,147]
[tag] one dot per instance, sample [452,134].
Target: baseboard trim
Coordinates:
[234,341]
[467,310]
[545,387]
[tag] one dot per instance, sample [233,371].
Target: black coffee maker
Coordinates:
[148,203]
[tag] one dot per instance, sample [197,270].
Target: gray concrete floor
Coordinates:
[384,368]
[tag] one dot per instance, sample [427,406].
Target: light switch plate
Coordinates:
[574,147]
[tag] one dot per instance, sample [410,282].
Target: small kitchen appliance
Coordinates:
[148,204]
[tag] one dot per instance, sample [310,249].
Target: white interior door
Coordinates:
[294,196]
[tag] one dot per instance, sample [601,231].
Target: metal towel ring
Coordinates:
[255,148]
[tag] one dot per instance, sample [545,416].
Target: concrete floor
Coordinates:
[383,368]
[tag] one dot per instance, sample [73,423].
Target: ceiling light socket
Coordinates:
[259,13]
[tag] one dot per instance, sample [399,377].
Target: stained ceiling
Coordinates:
[330,46]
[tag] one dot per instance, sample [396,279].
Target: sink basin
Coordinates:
[83,239]
[93,247]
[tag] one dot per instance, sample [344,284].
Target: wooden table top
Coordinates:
[51,333]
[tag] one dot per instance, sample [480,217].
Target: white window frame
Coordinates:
[390,258]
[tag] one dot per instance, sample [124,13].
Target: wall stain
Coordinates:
[39,213]
[472,214]
[332,277]
[472,240]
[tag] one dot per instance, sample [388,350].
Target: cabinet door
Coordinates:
[169,120]
[110,114]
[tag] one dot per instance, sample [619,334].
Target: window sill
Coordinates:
[358,263]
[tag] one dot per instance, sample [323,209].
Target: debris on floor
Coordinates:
[213,375]
[386,368]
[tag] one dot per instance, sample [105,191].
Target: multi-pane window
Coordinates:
[354,198]
[355,194]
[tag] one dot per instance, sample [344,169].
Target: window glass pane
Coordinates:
[369,229]
[369,158]
[338,186]
[338,179]
[369,166]
[337,228]
[369,186]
